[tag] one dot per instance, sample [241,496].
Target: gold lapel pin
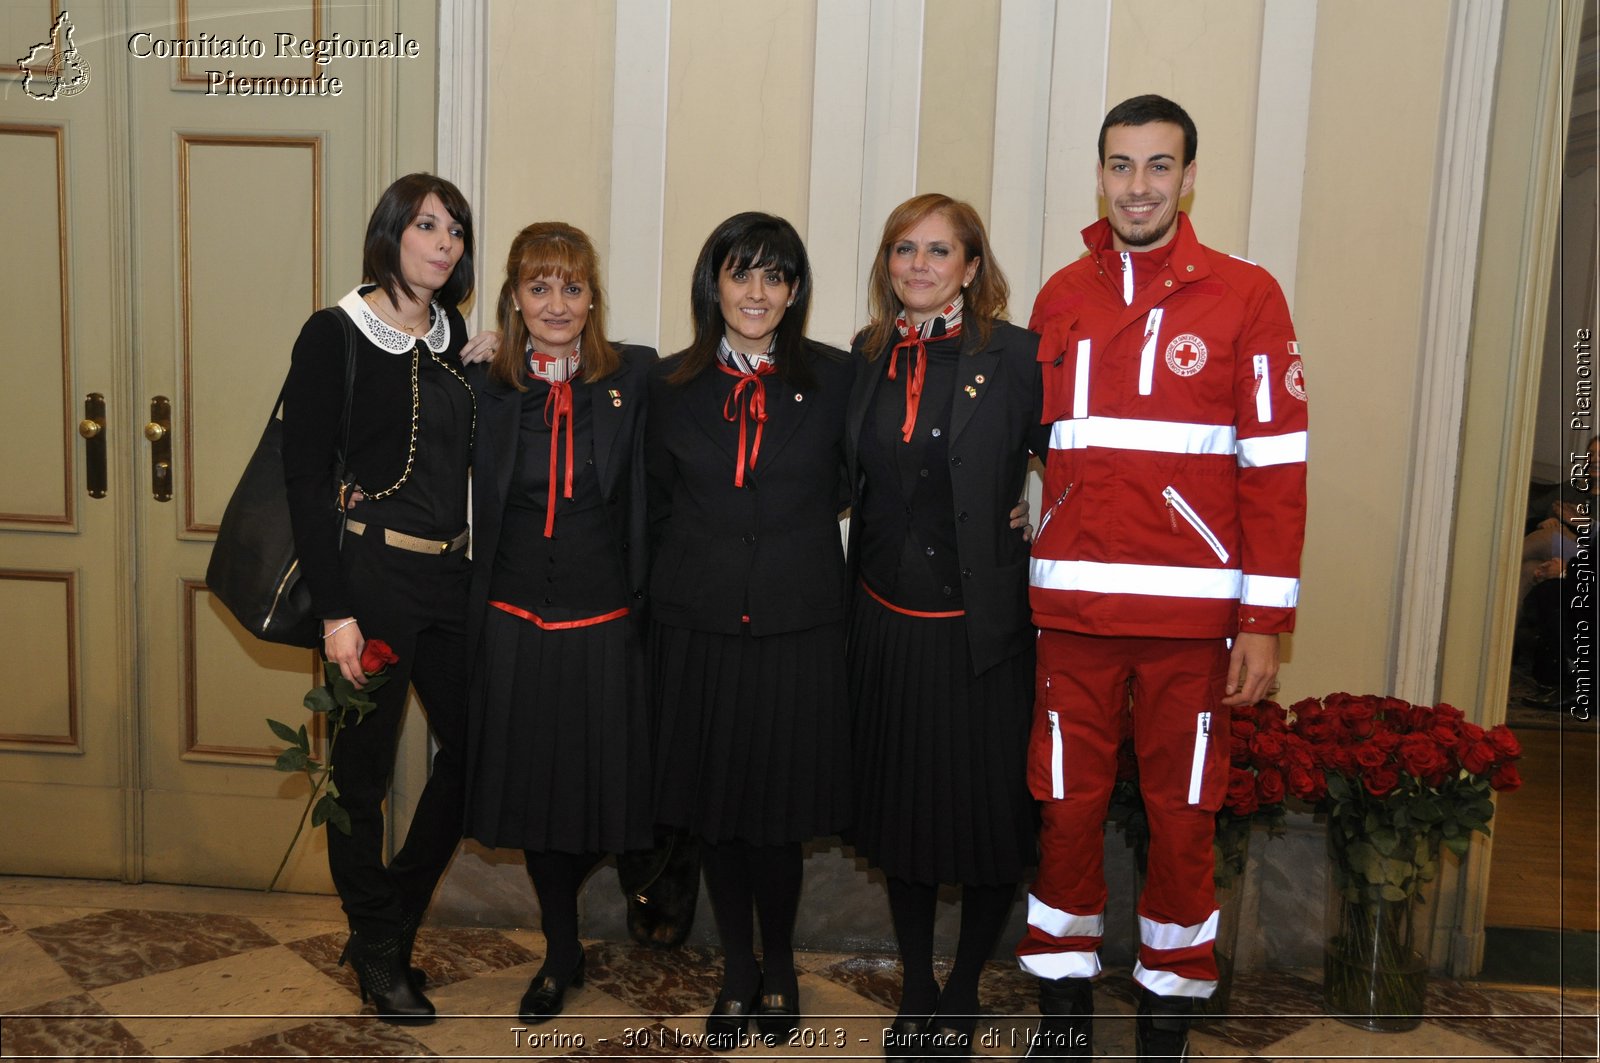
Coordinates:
[971,391]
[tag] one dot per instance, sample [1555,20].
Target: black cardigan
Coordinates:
[618,406]
[994,423]
[770,550]
[380,415]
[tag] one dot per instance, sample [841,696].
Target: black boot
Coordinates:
[1066,1007]
[383,974]
[1161,1032]
[408,942]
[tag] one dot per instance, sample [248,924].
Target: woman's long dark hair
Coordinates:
[397,207]
[751,241]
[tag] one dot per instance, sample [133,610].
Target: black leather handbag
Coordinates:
[254,569]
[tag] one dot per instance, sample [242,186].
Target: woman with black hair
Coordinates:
[744,455]
[400,572]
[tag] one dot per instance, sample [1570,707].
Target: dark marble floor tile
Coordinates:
[876,977]
[1006,989]
[446,955]
[1525,1023]
[348,1040]
[122,944]
[1266,1006]
[656,982]
[72,1026]
[7,927]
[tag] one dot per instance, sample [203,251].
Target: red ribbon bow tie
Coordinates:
[557,407]
[746,402]
[916,347]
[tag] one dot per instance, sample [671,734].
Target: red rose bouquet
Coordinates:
[343,705]
[1397,781]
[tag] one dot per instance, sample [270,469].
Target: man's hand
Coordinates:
[1252,666]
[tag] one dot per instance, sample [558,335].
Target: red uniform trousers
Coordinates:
[1181,737]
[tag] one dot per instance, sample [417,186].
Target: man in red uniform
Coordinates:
[1165,566]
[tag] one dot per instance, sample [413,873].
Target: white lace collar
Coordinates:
[384,335]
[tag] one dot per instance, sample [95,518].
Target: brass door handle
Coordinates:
[159,432]
[93,428]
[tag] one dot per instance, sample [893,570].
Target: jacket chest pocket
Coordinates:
[1066,355]
[1180,512]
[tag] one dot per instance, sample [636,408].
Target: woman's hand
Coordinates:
[1019,519]
[481,347]
[342,643]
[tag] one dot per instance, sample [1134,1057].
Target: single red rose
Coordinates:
[1445,732]
[1241,798]
[1386,740]
[1268,747]
[377,656]
[1370,755]
[1505,777]
[1421,756]
[1297,752]
[1380,782]
[1478,757]
[1269,786]
[1505,743]
[1308,784]
[1442,711]
[1359,716]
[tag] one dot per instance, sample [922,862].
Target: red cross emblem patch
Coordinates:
[1186,354]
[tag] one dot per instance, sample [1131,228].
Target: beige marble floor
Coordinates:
[95,969]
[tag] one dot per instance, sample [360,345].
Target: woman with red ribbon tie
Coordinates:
[558,735]
[945,410]
[747,602]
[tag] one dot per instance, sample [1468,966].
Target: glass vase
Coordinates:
[1375,965]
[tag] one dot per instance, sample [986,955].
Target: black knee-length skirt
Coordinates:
[940,753]
[753,733]
[558,739]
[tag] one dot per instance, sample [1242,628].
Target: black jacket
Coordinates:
[769,550]
[618,457]
[993,426]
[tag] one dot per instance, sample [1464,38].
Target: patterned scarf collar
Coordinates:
[551,369]
[950,315]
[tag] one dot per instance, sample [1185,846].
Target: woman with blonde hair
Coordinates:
[944,413]
[558,737]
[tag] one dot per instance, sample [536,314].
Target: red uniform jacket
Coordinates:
[1175,484]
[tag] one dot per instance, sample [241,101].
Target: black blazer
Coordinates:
[993,426]
[618,459]
[770,550]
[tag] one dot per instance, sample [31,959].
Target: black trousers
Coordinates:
[417,604]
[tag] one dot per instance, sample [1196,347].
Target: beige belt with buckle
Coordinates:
[415,544]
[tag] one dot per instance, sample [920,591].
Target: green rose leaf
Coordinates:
[339,818]
[1393,893]
[291,760]
[320,699]
[285,732]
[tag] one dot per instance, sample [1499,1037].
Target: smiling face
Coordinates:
[753,301]
[430,247]
[928,267]
[554,312]
[1142,177]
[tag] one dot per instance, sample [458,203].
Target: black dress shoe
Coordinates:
[725,1026]
[778,1016]
[903,1038]
[949,1037]
[542,1002]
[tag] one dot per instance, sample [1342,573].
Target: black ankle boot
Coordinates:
[1161,1031]
[384,976]
[408,943]
[1066,1010]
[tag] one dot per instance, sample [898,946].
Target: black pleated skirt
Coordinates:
[558,739]
[941,754]
[754,733]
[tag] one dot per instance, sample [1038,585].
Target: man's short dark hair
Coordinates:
[1142,110]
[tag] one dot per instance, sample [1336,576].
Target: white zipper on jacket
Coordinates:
[1176,502]
[1197,767]
[1058,774]
[1147,353]
[1127,279]
[1044,520]
[1263,390]
[1080,381]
